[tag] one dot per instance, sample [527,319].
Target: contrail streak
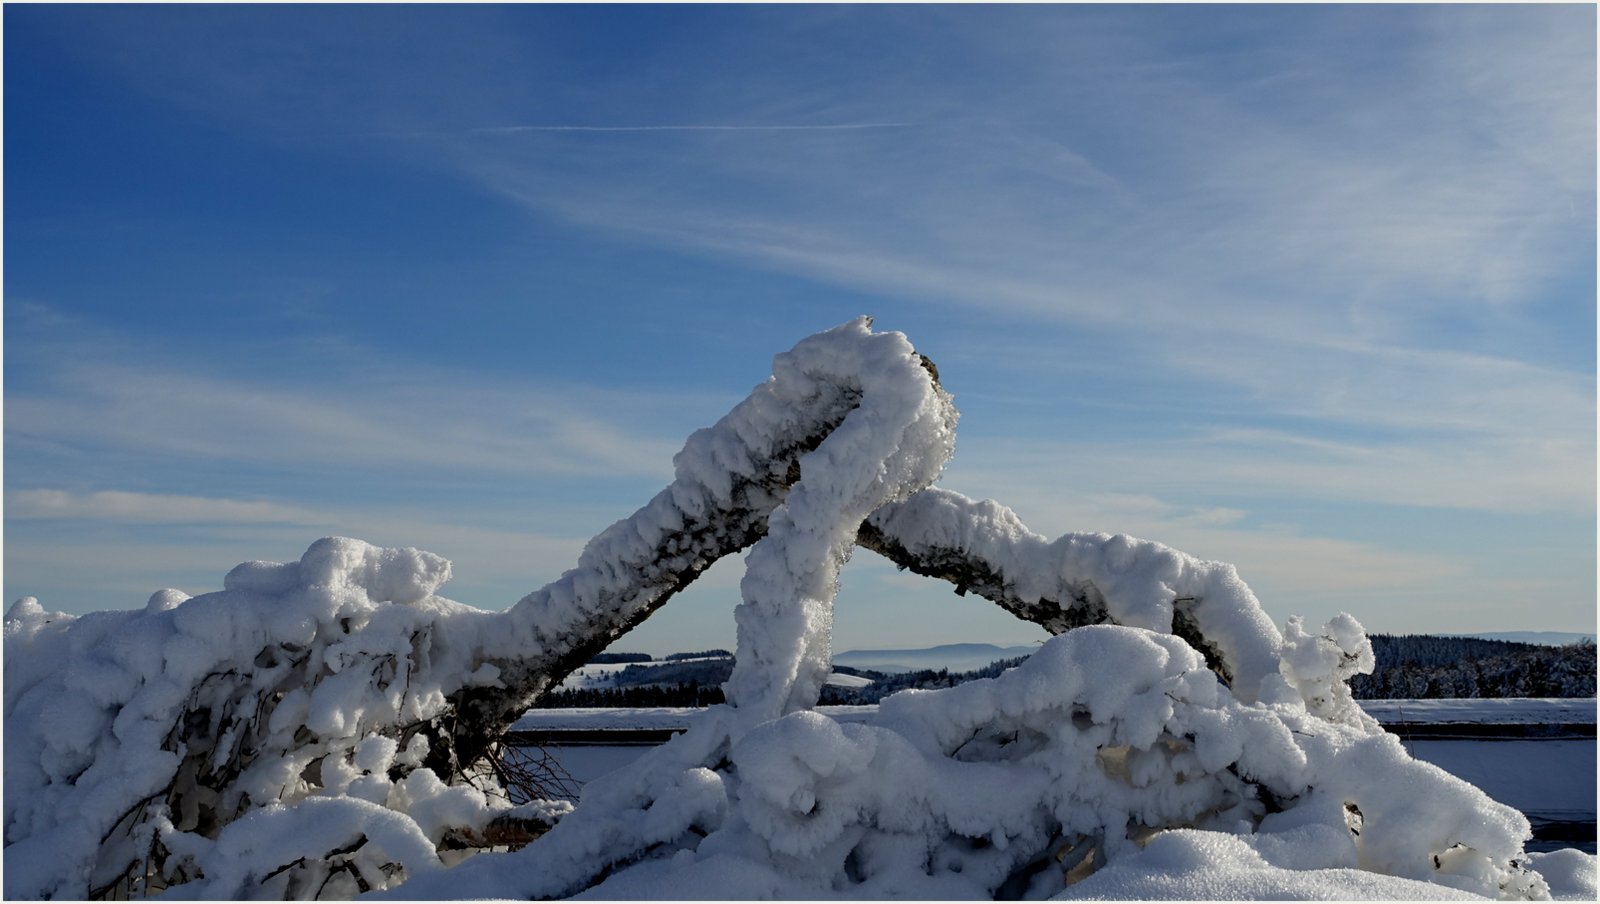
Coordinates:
[833,127]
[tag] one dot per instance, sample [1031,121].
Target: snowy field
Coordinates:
[1526,711]
[1514,711]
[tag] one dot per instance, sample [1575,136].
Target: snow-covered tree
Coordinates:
[331,726]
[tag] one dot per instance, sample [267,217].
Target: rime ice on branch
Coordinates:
[330,726]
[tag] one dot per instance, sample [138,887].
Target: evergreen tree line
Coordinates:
[1408,666]
[611,658]
[1426,666]
[691,694]
[702,654]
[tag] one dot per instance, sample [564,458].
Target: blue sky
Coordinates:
[1307,289]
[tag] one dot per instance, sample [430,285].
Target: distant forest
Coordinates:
[1409,666]
[1425,666]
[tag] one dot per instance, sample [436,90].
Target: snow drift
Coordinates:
[330,727]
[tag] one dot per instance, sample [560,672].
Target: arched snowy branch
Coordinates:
[846,394]
[1081,579]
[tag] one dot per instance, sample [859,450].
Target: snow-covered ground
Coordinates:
[595,674]
[1513,711]
[649,717]
[839,679]
[1547,779]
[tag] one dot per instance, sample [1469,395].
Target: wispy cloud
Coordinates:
[149,508]
[1537,476]
[1330,256]
[90,397]
[1225,210]
[123,546]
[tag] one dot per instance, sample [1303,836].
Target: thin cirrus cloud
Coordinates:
[149,508]
[392,420]
[1536,477]
[190,542]
[1355,256]
[1409,196]
[1227,268]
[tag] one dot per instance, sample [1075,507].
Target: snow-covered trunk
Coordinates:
[847,394]
[894,443]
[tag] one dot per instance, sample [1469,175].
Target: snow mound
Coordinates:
[1077,765]
[271,691]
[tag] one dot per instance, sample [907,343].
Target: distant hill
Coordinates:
[1543,638]
[1415,666]
[957,657]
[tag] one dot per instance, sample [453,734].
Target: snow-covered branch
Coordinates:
[1081,579]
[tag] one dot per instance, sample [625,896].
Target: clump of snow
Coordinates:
[154,726]
[1320,666]
[253,856]
[1214,866]
[1570,873]
[287,736]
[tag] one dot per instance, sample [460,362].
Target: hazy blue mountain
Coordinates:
[957,657]
[1544,638]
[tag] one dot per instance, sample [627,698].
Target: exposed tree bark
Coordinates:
[481,714]
[970,571]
